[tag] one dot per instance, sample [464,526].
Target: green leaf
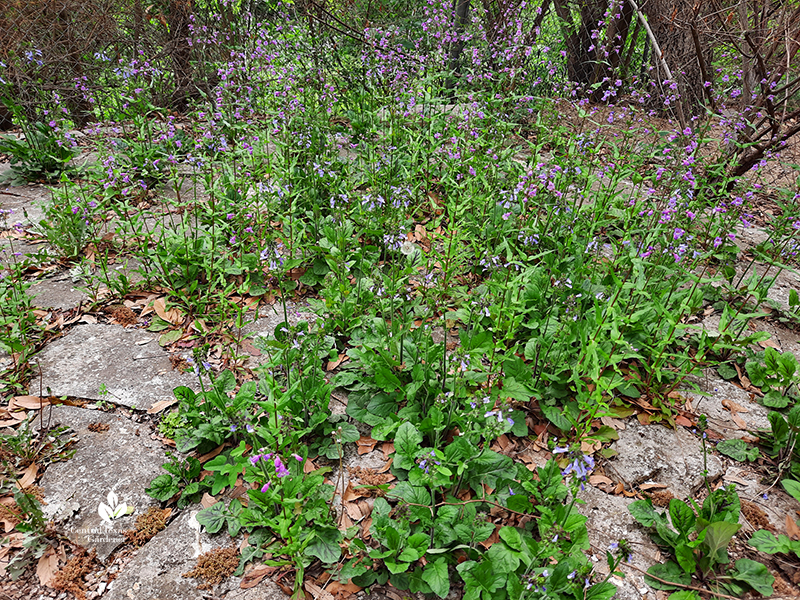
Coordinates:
[504,560]
[774,399]
[754,574]
[792,487]
[738,450]
[669,571]
[644,513]
[170,337]
[685,557]
[407,440]
[764,541]
[601,591]
[684,595]
[511,536]
[325,545]
[683,517]
[718,536]
[605,434]
[347,432]
[437,578]
[162,488]
[212,518]
[416,546]
[726,371]
[555,416]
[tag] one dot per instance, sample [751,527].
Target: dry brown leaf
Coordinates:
[12,422]
[28,476]
[332,364]
[385,467]
[493,539]
[47,566]
[345,522]
[739,421]
[595,480]
[769,344]
[350,493]
[619,489]
[89,319]
[209,455]
[207,500]
[248,347]
[652,486]
[387,448]
[29,402]
[681,420]
[353,511]
[309,466]
[792,530]
[254,577]
[161,405]
[343,590]
[173,315]
[628,494]
[365,444]
[733,407]
[613,423]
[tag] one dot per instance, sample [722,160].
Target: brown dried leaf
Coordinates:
[740,423]
[792,530]
[385,467]
[652,486]
[596,480]
[353,511]
[769,344]
[332,364]
[342,591]
[209,455]
[365,444]
[161,405]
[387,448]
[208,500]
[493,539]
[733,407]
[47,566]
[351,494]
[28,476]
[681,420]
[254,577]
[29,402]
[173,315]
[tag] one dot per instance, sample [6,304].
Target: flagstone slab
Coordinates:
[131,365]
[652,453]
[58,291]
[157,570]
[122,459]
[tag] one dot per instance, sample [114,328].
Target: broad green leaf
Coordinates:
[764,541]
[212,518]
[754,574]
[601,591]
[407,440]
[738,450]
[416,546]
[669,571]
[792,487]
[774,399]
[437,577]
[685,557]
[325,545]
[718,536]
[683,517]
[162,488]
[504,560]
[644,513]
[511,536]
[684,595]
[347,432]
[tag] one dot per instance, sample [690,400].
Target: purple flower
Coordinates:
[280,468]
[264,487]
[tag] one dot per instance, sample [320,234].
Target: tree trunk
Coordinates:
[179,21]
[671,22]
[460,21]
